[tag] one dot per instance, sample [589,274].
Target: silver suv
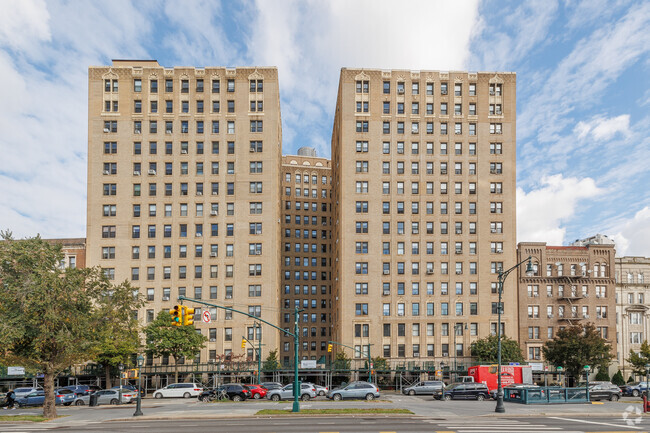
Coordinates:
[307,391]
[358,389]
[427,387]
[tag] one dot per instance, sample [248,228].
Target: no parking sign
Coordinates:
[206,317]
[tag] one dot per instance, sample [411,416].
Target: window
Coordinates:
[361,309]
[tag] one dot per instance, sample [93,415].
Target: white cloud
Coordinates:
[542,212]
[603,128]
[23,23]
[581,76]
[43,117]
[632,236]
[311,41]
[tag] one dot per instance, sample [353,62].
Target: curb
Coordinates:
[288,416]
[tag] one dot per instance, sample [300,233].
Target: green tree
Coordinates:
[271,362]
[486,350]
[617,379]
[577,346]
[342,361]
[639,360]
[379,363]
[52,317]
[165,339]
[602,374]
[119,342]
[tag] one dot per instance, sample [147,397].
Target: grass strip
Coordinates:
[334,411]
[33,418]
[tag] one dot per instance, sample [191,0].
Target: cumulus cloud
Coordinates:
[632,236]
[311,41]
[603,128]
[543,211]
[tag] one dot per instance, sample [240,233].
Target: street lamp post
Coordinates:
[121,367]
[502,277]
[138,407]
[647,371]
[587,368]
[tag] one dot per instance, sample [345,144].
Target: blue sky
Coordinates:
[583,102]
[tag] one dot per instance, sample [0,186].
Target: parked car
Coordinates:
[320,390]
[131,388]
[185,390]
[634,389]
[357,389]
[83,389]
[61,396]
[22,392]
[427,387]
[307,391]
[493,393]
[234,391]
[605,391]
[256,391]
[271,385]
[466,391]
[107,396]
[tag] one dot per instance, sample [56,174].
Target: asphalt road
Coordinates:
[359,424]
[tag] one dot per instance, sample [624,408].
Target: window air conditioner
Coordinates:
[212,340]
[198,235]
[498,111]
[459,272]
[443,92]
[493,171]
[252,150]
[183,151]
[107,130]
[400,91]
[459,251]
[535,295]
[493,230]
[169,131]
[499,251]
[458,232]
[214,213]
[585,316]
[429,271]
[165,298]
[213,254]
[107,172]
[137,131]
[136,173]
[199,193]
[152,172]
[598,296]
[445,354]
[491,92]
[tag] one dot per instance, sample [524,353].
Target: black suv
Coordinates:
[604,391]
[234,391]
[466,391]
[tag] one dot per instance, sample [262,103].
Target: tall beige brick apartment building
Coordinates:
[424,210]
[183,183]
[392,246]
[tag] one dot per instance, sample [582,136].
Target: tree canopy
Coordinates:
[485,350]
[54,317]
[577,346]
[641,359]
[165,339]
[271,362]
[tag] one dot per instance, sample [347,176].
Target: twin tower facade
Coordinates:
[392,246]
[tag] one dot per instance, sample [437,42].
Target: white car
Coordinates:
[185,390]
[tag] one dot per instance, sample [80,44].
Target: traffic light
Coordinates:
[177,315]
[188,316]
[243,343]
[329,348]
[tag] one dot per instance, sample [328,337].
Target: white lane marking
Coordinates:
[595,422]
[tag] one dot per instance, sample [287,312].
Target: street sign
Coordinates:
[206,317]
[308,363]
[15,371]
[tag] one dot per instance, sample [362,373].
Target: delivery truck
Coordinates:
[510,374]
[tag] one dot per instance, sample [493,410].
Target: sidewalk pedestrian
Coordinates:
[10,400]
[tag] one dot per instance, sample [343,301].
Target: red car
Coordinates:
[257,391]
